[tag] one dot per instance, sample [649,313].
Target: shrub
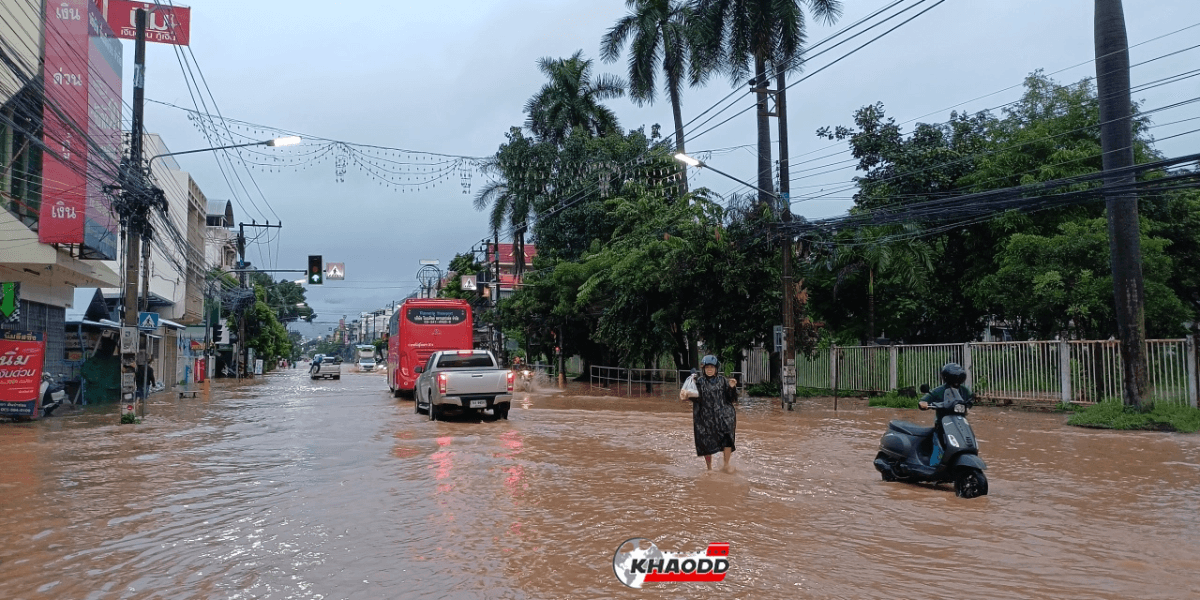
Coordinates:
[1112,414]
[893,400]
[763,390]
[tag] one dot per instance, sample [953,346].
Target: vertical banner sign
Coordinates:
[10,303]
[164,24]
[64,165]
[104,127]
[21,358]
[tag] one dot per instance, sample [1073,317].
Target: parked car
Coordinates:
[329,366]
[467,380]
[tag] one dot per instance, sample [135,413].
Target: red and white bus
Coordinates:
[419,327]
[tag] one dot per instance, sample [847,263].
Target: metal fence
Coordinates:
[1037,372]
[660,383]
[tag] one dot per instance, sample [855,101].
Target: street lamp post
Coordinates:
[787,354]
[290,140]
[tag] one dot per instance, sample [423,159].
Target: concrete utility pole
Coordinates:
[787,359]
[1124,242]
[134,191]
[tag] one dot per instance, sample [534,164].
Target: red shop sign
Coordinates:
[21,356]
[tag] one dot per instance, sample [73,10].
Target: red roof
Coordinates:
[506,254]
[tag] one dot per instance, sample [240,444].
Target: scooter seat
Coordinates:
[910,428]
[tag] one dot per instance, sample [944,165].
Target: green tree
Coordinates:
[526,167]
[659,36]
[460,265]
[572,99]
[1051,132]
[1060,284]
[264,333]
[890,251]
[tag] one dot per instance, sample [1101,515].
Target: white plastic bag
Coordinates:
[689,391]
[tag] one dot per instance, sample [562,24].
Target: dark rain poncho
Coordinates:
[713,416]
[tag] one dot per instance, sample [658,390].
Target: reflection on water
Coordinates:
[289,488]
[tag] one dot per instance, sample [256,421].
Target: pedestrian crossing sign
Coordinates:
[148,321]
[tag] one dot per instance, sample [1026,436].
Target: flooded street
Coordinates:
[289,488]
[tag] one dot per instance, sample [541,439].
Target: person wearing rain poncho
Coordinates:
[714,418]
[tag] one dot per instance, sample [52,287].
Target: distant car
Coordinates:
[467,380]
[366,364]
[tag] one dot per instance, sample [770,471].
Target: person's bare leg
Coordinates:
[726,454]
[708,461]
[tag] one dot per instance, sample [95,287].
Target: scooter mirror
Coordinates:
[924,388]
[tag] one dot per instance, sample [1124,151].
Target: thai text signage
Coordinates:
[164,24]
[436,316]
[65,118]
[21,357]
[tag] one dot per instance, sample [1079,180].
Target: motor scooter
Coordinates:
[53,394]
[947,452]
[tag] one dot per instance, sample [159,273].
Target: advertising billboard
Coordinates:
[22,354]
[164,24]
[64,164]
[104,128]
[82,129]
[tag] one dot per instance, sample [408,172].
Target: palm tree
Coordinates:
[735,33]
[572,99]
[511,206]
[1116,139]
[659,30]
[513,196]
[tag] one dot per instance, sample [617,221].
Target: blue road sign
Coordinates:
[147,321]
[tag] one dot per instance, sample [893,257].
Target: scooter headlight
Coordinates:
[960,409]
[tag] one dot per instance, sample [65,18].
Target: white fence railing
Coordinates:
[1008,372]
[662,383]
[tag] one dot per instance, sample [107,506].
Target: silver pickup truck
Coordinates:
[330,366]
[468,380]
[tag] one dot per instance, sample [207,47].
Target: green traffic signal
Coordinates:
[315,275]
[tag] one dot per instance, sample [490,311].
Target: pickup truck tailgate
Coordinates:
[476,383]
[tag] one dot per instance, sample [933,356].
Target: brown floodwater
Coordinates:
[288,488]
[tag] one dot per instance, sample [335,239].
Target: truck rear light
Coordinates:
[465,352]
[511,376]
[441,383]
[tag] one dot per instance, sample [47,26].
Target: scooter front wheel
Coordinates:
[970,483]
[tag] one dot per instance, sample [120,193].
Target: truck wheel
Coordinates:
[501,411]
[434,413]
[338,377]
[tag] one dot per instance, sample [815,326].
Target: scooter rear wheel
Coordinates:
[970,483]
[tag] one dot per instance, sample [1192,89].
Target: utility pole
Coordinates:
[243,358]
[134,195]
[787,359]
[1124,243]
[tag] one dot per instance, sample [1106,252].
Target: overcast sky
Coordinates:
[452,77]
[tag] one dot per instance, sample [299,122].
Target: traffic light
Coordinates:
[218,331]
[316,276]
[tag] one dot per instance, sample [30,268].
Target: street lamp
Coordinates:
[788,365]
[693,162]
[290,140]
